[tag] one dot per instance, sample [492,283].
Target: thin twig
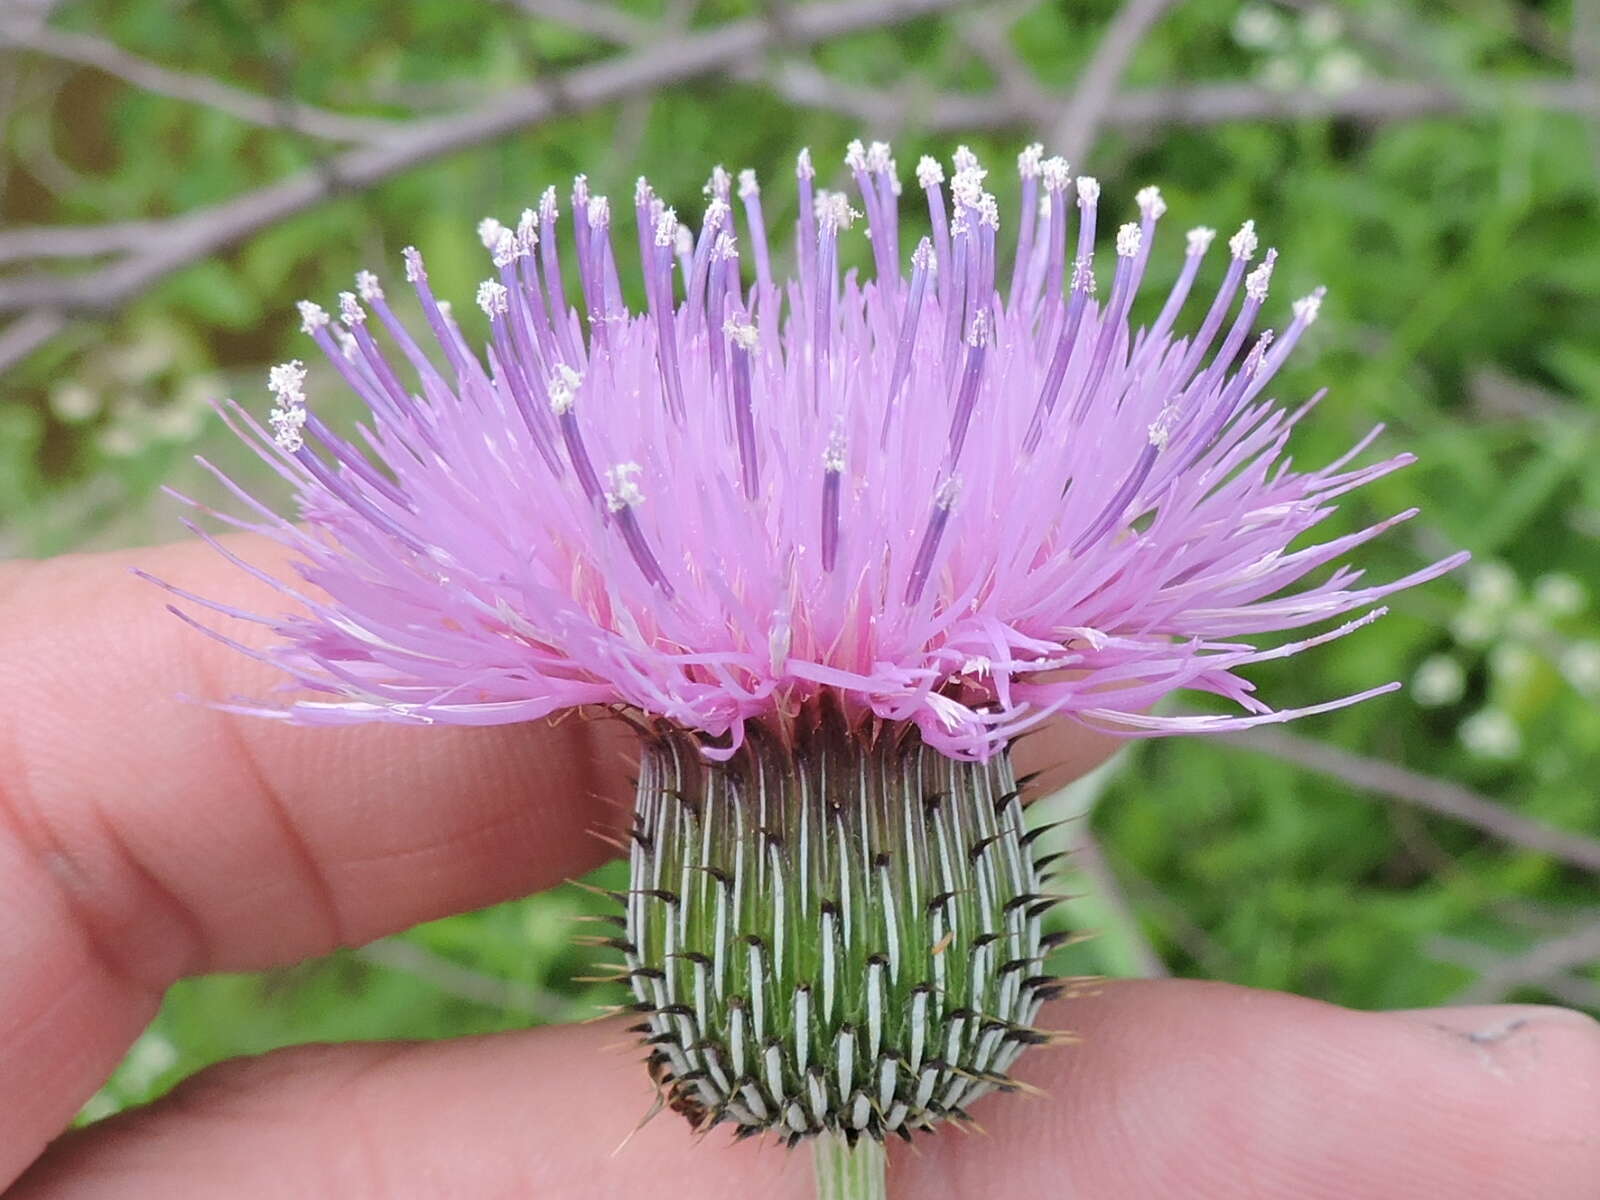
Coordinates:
[193,236]
[1090,860]
[1435,795]
[1547,966]
[27,333]
[1076,130]
[988,35]
[453,979]
[1586,64]
[289,115]
[1197,104]
[593,17]
[77,241]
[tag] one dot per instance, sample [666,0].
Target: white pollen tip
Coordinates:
[833,458]
[562,388]
[368,287]
[1200,238]
[1307,308]
[1128,239]
[312,316]
[642,192]
[949,491]
[1088,191]
[748,186]
[599,212]
[978,335]
[1151,205]
[489,231]
[493,298]
[880,157]
[623,490]
[549,209]
[286,426]
[508,249]
[667,227]
[350,311]
[415,272]
[580,192]
[1160,431]
[683,241]
[929,173]
[1028,161]
[725,247]
[527,231]
[839,212]
[1243,244]
[287,381]
[923,257]
[719,184]
[1083,275]
[1255,284]
[1057,173]
[964,159]
[716,213]
[741,333]
[802,164]
[855,155]
[1258,352]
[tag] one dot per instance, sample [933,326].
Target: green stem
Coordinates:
[848,1174]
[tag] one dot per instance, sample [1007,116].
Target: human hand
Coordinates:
[142,839]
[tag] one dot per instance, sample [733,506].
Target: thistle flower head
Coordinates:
[783,462]
[834,543]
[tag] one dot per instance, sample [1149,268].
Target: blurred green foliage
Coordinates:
[1462,257]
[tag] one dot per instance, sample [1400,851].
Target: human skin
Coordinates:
[143,839]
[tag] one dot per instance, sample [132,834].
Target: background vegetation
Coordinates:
[1434,164]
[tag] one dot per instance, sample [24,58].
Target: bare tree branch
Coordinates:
[988,35]
[1586,61]
[597,18]
[1091,862]
[1435,795]
[77,241]
[1078,127]
[453,979]
[193,236]
[27,333]
[1546,966]
[265,111]
[1197,104]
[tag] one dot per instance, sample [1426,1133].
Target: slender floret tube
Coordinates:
[831,542]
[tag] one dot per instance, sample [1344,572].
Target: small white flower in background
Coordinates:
[1321,26]
[119,441]
[1493,584]
[1281,74]
[73,403]
[1512,662]
[1439,680]
[1560,595]
[1580,663]
[1337,72]
[1259,28]
[1474,626]
[1491,733]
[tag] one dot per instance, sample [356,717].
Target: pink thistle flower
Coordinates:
[942,501]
